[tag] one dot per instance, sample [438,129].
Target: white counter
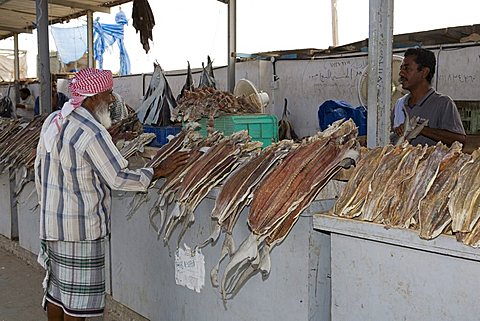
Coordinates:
[392,274]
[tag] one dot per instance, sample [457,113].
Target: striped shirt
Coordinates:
[75,179]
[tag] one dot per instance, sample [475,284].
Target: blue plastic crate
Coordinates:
[162,133]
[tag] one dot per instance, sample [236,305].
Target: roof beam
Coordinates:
[79,5]
[15,30]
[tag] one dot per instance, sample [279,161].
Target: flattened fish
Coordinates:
[351,200]
[464,200]
[433,212]
[418,186]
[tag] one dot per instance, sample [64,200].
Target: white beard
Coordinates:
[102,115]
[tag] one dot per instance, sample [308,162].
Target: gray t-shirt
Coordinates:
[441,112]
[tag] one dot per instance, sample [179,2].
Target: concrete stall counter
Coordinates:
[8,206]
[143,270]
[392,274]
[28,218]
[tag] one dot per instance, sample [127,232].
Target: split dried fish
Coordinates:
[274,211]
[433,212]
[464,200]
[210,103]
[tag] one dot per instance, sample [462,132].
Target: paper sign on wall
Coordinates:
[190,268]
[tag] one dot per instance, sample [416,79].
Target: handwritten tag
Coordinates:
[190,268]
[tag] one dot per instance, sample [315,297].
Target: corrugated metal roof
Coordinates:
[19,16]
[436,37]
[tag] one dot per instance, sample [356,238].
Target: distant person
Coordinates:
[26,104]
[58,98]
[118,109]
[444,122]
[6,107]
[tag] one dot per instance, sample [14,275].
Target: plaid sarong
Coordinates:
[75,278]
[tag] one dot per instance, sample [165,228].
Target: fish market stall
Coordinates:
[403,236]
[146,275]
[16,143]
[392,274]
[172,241]
[8,210]
[28,218]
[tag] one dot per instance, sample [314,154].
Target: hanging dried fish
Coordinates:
[236,194]
[207,79]
[285,128]
[174,145]
[189,85]
[217,163]
[158,102]
[197,147]
[273,212]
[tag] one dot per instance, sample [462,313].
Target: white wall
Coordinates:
[308,83]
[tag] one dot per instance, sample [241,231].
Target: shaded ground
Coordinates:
[21,290]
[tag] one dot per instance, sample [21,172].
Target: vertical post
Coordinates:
[334,23]
[379,72]
[16,67]
[44,57]
[91,58]
[232,43]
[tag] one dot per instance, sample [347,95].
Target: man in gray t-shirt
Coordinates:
[444,122]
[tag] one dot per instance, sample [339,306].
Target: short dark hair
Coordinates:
[424,58]
[25,91]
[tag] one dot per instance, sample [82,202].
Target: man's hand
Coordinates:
[20,106]
[399,130]
[170,164]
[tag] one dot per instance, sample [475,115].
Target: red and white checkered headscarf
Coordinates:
[87,82]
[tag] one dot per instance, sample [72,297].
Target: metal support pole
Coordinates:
[16,67]
[232,43]
[44,57]
[91,58]
[334,23]
[379,72]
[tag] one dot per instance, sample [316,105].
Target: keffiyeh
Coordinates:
[87,82]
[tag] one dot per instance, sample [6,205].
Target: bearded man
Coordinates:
[76,167]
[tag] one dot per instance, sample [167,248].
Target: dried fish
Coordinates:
[137,144]
[405,172]
[159,102]
[464,200]
[210,103]
[273,212]
[433,208]
[380,180]
[350,202]
[237,193]
[209,170]
[189,84]
[406,212]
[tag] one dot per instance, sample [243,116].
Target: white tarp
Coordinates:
[7,69]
